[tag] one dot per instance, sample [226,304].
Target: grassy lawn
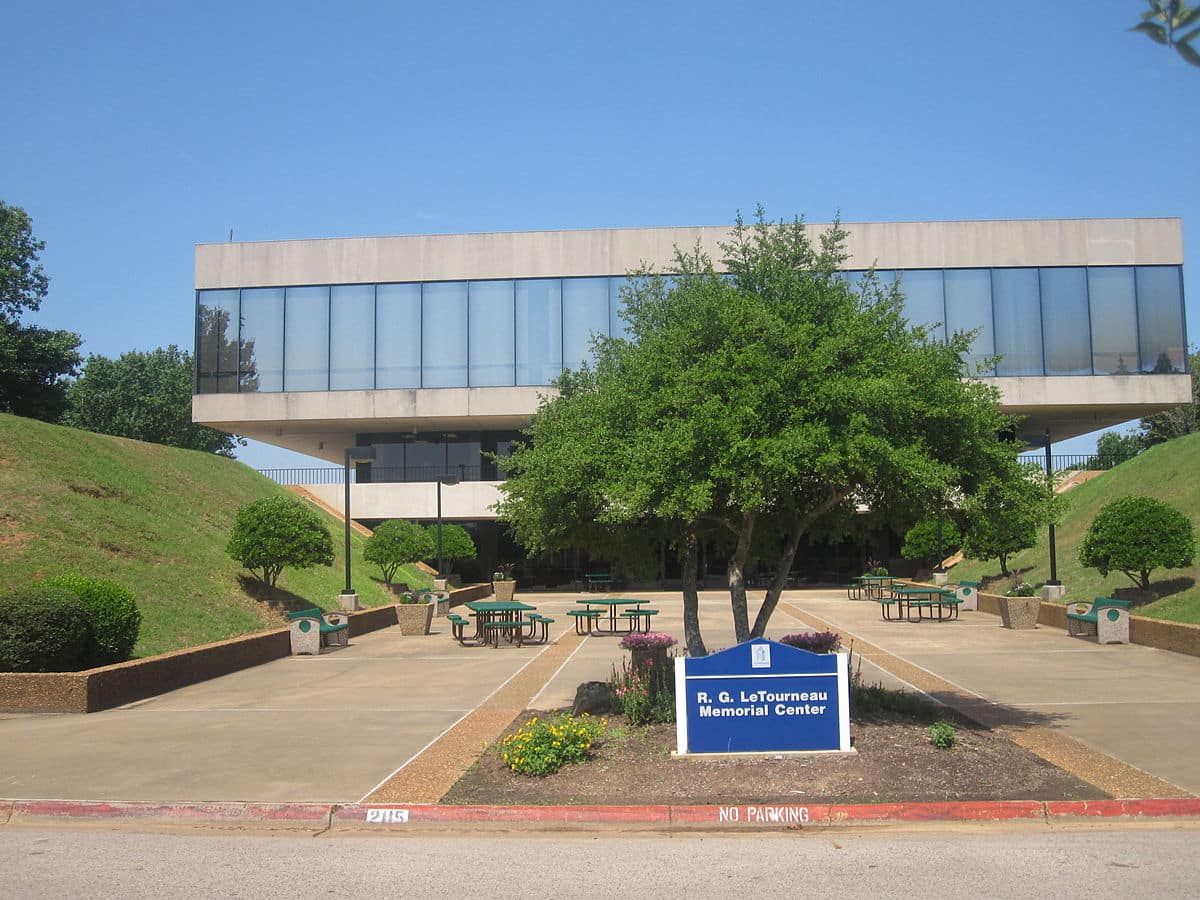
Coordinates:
[155,519]
[1170,472]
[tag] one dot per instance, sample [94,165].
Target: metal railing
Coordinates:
[380,474]
[1067,461]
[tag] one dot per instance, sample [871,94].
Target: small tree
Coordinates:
[457,544]
[921,541]
[396,543]
[1136,535]
[1004,514]
[274,532]
[1113,448]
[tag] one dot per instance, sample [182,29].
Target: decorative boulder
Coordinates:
[594,698]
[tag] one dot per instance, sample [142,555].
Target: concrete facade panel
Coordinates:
[917,245]
[466,501]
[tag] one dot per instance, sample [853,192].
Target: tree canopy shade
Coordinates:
[1004,514]
[33,361]
[23,284]
[457,544]
[395,543]
[751,409]
[275,532]
[1137,535]
[145,396]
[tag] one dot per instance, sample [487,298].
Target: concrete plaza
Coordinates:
[338,727]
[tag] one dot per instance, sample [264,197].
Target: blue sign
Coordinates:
[762,696]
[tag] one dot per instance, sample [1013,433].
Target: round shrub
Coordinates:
[43,629]
[274,532]
[114,615]
[1137,535]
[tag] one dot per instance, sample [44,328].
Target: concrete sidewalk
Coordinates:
[345,727]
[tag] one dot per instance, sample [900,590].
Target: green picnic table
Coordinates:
[614,604]
[921,598]
[497,616]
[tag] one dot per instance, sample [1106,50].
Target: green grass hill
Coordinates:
[1170,472]
[155,519]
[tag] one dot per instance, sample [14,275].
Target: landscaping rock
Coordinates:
[594,698]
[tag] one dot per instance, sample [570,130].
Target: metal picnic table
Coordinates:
[488,611]
[613,604]
[922,598]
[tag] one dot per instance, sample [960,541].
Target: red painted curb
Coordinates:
[318,816]
[1133,808]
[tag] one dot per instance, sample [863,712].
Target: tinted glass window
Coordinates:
[539,331]
[1018,316]
[924,303]
[260,367]
[969,308]
[398,336]
[352,337]
[1114,320]
[491,333]
[585,313]
[306,339]
[1160,318]
[1066,325]
[216,339]
[444,334]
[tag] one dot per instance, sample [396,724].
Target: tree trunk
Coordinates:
[737,579]
[785,561]
[1145,579]
[1004,564]
[691,597]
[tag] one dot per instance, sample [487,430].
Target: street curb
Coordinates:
[320,818]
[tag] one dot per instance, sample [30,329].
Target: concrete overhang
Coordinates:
[322,424]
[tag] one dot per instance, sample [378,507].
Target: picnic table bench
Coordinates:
[598,581]
[313,628]
[1105,619]
[585,619]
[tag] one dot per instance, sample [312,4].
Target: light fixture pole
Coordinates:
[358,455]
[447,480]
[1050,487]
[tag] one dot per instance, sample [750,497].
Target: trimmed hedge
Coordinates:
[113,613]
[43,629]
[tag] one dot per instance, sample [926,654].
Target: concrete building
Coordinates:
[436,348]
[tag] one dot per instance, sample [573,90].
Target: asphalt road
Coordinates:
[1110,861]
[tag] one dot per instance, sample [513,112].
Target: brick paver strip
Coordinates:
[1109,774]
[427,777]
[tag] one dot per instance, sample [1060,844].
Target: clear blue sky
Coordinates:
[134,131]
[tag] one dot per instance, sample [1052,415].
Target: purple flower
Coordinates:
[650,640]
[815,642]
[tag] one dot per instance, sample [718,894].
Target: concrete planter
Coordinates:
[504,590]
[414,618]
[1020,612]
[440,584]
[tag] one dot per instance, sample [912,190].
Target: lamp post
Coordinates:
[348,598]
[447,480]
[1053,582]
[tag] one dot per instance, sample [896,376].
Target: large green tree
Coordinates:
[751,409]
[34,362]
[145,396]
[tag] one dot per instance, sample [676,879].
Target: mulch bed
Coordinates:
[895,762]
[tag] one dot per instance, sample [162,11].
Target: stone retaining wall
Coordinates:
[103,688]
